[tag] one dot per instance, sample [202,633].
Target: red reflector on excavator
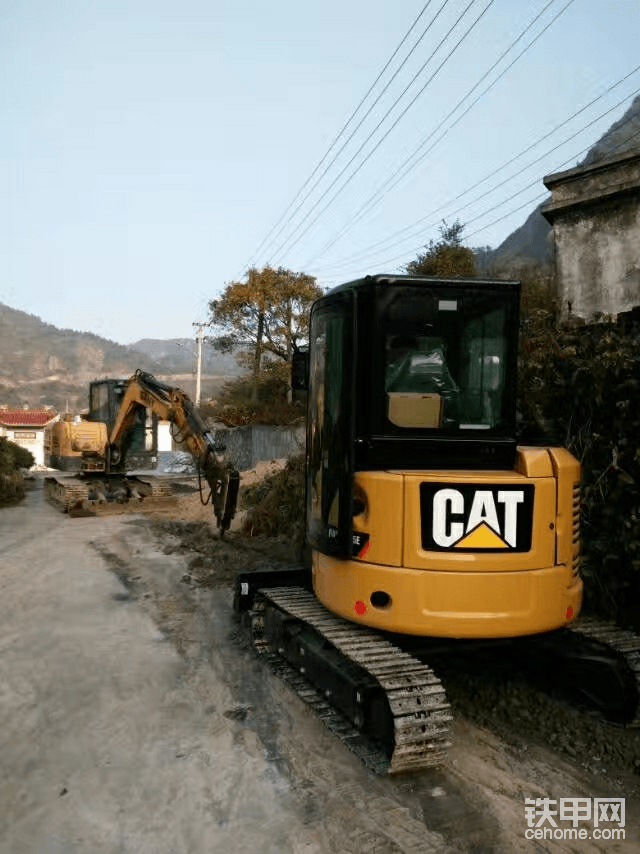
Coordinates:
[361,608]
[569,613]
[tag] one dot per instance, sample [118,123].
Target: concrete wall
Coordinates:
[595,214]
[247,446]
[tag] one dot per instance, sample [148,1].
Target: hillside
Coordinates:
[43,365]
[532,241]
[181,354]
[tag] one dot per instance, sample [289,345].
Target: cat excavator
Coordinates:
[427,524]
[101,448]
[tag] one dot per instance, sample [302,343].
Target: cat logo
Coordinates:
[478,517]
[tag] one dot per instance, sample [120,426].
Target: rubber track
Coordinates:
[624,642]
[417,700]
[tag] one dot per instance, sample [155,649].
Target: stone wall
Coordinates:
[595,214]
[247,446]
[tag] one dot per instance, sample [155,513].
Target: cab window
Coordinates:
[445,360]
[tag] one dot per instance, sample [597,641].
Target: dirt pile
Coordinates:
[191,506]
[523,714]
[275,504]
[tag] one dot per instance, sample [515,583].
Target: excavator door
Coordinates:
[330,426]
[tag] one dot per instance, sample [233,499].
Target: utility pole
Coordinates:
[200,339]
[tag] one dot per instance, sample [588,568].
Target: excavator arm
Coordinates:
[188,427]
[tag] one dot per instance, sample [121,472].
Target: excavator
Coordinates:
[101,448]
[427,525]
[77,442]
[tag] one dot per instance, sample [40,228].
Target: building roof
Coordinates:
[26,417]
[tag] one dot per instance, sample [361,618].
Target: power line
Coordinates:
[482,94]
[546,154]
[406,167]
[393,126]
[393,239]
[385,116]
[531,201]
[348,122]
[615,148]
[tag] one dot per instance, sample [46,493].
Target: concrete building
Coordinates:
[595,214]
[25,427]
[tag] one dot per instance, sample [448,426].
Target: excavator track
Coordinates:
[411,732]
[66,493]
[626,645]
[106,493]
[152,486]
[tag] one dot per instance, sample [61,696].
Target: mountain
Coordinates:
[42,365]
[181,353]
[533,241]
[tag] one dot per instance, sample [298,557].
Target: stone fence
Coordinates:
[247,446]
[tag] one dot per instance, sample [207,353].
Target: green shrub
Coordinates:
[236,406]
[580,387]
[12,459]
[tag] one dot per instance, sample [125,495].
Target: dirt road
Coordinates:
[134,719]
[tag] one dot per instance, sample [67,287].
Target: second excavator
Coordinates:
[100,448]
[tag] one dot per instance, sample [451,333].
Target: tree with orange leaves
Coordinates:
[268,312]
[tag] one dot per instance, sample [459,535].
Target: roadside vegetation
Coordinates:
[13,459]
[264,319]
[257,400]
[580,388]
[276,505]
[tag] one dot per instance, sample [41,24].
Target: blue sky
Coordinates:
[148,148]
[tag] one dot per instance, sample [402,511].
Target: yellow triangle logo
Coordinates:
[482,537]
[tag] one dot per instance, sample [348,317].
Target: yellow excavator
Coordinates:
[102,447]
[426,521]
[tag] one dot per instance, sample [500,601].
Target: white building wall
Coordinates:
[164,436]
[30,438]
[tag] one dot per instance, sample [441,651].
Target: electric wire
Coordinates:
[531,201]
[615,148]
[385,135]
[389,130]
[396,238]
[266,240]
[543,156]
[480,96]
[406,166]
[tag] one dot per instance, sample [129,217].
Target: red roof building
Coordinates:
[25,427]
[26,417]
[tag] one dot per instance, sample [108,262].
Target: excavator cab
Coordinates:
[423,515]
[406,373]
[140,446]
